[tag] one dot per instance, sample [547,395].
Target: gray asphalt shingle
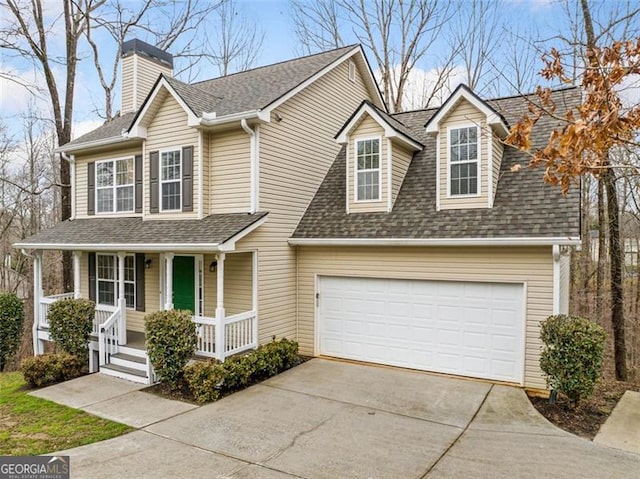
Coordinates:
[213,229]
[524,205]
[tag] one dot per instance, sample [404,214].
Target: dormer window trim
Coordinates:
[478,162]
[356,170]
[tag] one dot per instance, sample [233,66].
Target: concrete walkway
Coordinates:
[114,399]
[622,428]
[329,419]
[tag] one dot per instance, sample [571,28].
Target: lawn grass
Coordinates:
[31,425]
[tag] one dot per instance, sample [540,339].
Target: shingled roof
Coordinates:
[524,206]
[100,233]
[240,92]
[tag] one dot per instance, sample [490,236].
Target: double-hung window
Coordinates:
[107,279]
[170,180]
[114,186]
[463,161]
[368,170]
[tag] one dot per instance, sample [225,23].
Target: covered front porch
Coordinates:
[219,289]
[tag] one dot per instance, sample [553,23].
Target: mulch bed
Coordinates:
[585,420]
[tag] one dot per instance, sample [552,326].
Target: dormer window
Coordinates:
[114,186]
[368,170]
[171,180]
[463,161]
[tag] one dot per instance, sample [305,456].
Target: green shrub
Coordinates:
[209,380]
[171,342]
[205,380]
[47,369]
[572,356]
[11,322]
[70,325]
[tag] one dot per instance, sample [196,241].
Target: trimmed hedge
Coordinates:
[572,357]
[11,322]
[48,369]
[171,342]
[211,379]
[70,325]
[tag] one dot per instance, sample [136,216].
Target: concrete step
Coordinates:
[124,372]
[140,353]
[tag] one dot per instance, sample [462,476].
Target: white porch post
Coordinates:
[220,326]
[76,273]
[38,347]
[122,302]
[254,295]
[168,276]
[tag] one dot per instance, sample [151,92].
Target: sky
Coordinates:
[280,43]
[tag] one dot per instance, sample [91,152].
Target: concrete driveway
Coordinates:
[329,419]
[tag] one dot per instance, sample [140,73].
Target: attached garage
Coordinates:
[458,327]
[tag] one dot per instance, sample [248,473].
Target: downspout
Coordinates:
[254,164]
[200,176]
[556,278]
[72,171]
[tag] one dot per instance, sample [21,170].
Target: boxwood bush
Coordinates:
[48,369]
[171,342]
[11,322]
[70,325]
[572,356]
[211,379]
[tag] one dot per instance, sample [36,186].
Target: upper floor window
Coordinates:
[107,279]
[170,180]
[463,161]
[114,186]
[368,170]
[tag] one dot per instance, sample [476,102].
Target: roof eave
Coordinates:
[211,119]
[524,241]
[88,145]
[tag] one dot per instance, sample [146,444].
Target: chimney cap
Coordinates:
[138,46]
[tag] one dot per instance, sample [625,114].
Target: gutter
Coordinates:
[96,143]
[254,164]
[210,118]
[434,241]
[72,174]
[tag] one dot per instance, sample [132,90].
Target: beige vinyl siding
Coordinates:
[168,130]
[530,265]
[295,155]
[139,74]
[230,171]
[498,151]
[127,85]
[401,159]
[463,113]
[206,176]
[238,277]
[81,178]
[367,129]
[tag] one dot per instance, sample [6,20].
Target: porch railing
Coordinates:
[108,334]
[45,304]
[238,334]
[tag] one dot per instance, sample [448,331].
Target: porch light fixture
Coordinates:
[147,263]
[213,266]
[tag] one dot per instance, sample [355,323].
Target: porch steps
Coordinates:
[129,363]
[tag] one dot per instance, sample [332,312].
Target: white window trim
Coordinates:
[114,187]
[116,280]
[479,161]
[355,168]
[161,181]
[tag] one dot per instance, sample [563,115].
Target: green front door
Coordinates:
[184,283]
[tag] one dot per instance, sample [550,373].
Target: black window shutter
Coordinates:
[92,277]
[187,178]
[154,183]
[139,281]
[91,188]
[138,187]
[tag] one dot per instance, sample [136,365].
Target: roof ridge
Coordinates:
[346,47]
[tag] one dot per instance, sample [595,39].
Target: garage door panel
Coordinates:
[467,328]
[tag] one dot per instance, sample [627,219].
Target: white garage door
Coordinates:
[465,328]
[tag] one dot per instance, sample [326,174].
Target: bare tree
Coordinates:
[397,33]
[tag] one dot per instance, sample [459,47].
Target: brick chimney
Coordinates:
[141,65]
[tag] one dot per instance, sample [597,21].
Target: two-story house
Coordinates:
[286,201]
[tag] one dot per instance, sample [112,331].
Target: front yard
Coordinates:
[30,425]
